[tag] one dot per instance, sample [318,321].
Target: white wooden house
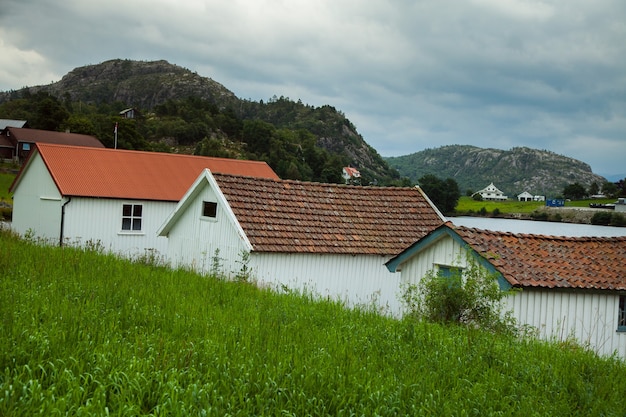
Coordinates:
[525,196]
[570,286]
[113,198]
[491,192]
[351,175]
[327,239]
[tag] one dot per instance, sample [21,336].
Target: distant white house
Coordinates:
[490,192]
[525,196]
[351,175]
[539,198]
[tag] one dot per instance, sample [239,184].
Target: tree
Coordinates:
[610,189]
[444,194]
[594,188]
[574,191]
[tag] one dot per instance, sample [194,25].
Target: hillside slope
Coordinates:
[147,84]
[513,171]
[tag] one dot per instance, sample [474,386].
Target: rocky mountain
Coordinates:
[512,171]
[148,84]
[142,84]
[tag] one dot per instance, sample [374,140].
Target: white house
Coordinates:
[351,175]
[525,196]
[490,192]
[113,198]
[571,286]
[328,239]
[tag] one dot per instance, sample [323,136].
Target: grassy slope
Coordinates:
[85,333]
[5,182]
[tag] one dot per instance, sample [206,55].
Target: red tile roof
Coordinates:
[552,261]
[48,136]
[110,173]
[305,217]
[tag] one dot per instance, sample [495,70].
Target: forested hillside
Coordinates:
[180,111]
[513,171]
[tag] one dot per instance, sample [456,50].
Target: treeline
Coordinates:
[283,133]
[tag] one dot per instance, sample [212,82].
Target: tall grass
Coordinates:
[85,333]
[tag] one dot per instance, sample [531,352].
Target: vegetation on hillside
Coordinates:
[444,194]
[513,171]
[78,337]
[181,111]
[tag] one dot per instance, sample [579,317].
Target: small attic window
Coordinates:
[209,209]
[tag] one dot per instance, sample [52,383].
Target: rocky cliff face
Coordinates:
[512,171]
[142,84]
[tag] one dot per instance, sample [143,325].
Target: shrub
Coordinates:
[539,215]
[469,296]
[618,219]
[602,218]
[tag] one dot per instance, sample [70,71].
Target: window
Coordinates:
[209,209]
[131,217]
[452,274]
[446,271]
[621,314]
[26,146]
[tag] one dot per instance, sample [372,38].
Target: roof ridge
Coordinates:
[339,185]
[538,235]
[150,152]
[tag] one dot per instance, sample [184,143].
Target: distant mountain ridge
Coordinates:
[513,171]
[147,84]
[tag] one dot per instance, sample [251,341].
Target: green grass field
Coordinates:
[82,333]
[467,205]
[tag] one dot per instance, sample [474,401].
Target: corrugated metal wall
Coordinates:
[357,280]
[590,318]
[100,221]
[37,203]
[196,241]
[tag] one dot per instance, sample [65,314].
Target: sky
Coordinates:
[409,74]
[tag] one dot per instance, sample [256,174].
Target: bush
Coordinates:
[601,218]
[539,215]
[618,219]
[469,296]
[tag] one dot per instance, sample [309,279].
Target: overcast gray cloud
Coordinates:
[410,74]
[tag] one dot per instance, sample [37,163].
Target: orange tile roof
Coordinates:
[306,217]
[110,173]
[552,261]
[48,136]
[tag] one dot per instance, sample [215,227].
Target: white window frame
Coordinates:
[130,220]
